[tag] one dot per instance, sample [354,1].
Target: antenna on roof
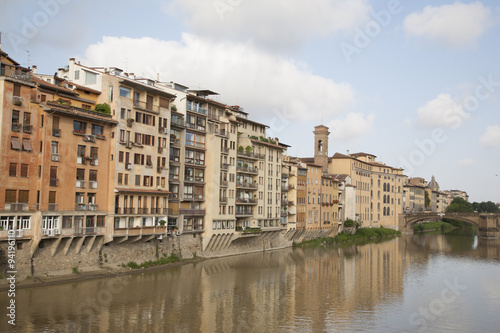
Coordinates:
[28,58]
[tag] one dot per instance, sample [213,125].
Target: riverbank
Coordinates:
[91,274]
[362,235]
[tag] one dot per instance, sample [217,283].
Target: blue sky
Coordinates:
[416,83]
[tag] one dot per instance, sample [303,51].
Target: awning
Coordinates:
[14,143]
[27,145]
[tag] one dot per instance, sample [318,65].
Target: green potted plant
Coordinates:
[173,108]
[162,222]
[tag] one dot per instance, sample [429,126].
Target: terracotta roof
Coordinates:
[362,154]
[78,112]
[46,84]
[267,144]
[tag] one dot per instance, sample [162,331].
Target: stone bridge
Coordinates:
[488,225]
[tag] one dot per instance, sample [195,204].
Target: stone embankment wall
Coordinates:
[60,256]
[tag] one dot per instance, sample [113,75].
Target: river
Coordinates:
[428,283]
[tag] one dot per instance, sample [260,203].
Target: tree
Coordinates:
[103,108]
[427,199]
[459,205]
[486,207]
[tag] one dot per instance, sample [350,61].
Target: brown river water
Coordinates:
[421,283]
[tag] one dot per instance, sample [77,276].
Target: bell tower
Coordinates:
[321,146]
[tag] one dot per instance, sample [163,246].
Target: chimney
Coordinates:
[33,69]
[158,77]
[348,152]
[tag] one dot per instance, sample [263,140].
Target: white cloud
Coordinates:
[352,127]
[466,162]
[274,25]
[442,111]
[242,74]
[456,25]
[491,138]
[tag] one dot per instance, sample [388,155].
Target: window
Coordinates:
[15,116]
[80,151]
[125,92]
[97,130]
[23,196]
[90,78]
[24,170]
[14,143]
[27,145]
[54,147]
[67,221]
[17,90]
[79,126]
[110,93]
[13,170]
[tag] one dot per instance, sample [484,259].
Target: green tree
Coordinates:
[103,108]
[427,199]
[459,205]
[486,207]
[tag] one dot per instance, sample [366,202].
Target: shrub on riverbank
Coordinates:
[432,226]
[361,234]
[162,261]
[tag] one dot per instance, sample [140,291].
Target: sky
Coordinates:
[416,83]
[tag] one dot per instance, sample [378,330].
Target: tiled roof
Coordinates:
[46,84]
[77,112]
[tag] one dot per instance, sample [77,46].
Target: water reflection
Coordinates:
[376,287]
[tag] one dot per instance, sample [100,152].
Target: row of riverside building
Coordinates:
[164,161]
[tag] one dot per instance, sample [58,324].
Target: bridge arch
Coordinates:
[412,219]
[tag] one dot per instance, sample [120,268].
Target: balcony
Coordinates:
[129,210]
[163,130]
[82,231]
[284,202]
[17,100]
[15,74]
[173,196]
[224,183]
[175,140]
[92,184]
[81,184]
[222,132]
[196,127]
[52,207]
[55,157]
[194,179]
[17,207]
[158,211]
[94,161]
[240,212]
[284,213]
[246,169]
[173,177]
[16,127]
[246,201]
[53,182]
[142,210]
[192,211]
[224,150]
[145,106]
[223,200]
[284,188]
[224,166]
[192,196]
[178,122]
[51,232]
[27,128]
[88,138]
[193,108]
[247,185]
[250,155]
[80,207]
